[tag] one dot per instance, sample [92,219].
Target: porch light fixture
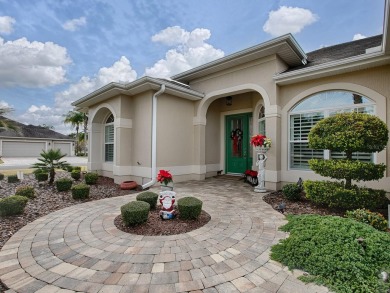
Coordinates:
[229,100]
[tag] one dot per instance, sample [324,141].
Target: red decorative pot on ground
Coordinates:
[127,185]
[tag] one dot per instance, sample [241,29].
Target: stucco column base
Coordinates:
[261,190]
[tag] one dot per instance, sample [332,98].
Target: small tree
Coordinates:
[49,161]
[348,133]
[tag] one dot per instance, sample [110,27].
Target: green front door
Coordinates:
[238,154]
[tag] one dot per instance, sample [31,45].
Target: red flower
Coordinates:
[164,176]
[258,140]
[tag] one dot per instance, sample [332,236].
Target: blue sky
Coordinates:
[53,52]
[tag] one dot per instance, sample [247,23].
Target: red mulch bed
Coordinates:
[305,206]
[155,226]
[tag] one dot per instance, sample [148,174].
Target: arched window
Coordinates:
[109,139]
[311,110]
[261,120]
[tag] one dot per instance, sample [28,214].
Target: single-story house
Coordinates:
[189,124]
[29,140]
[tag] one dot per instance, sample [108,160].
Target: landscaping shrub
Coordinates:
[50,161]
[78,168]
[13,179]
[340,253]
[375,220]
[189,207]
[64,184]
[80,191]
[149,197]
[12,205]
[135,212]
[44,176]
[91,178]
[75,174]
[27,191]
[292,191]
[335,195]
[69,168]
[1,176]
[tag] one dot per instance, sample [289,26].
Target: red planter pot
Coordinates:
[127,185]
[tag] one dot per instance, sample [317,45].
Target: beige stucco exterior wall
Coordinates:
[373,83]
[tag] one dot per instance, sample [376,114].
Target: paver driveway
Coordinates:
[80,249]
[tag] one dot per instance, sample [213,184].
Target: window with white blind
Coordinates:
[109,139]
[311,110]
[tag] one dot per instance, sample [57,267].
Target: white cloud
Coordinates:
[4,104]
[191,50]
[34,108]
[32,64]
[74,24]
[120,71]
[288,20]
[6,25]
[358,37]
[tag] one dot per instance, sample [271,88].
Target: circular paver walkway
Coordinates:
[79,249]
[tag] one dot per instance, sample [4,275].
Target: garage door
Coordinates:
[22,149]
[63,146]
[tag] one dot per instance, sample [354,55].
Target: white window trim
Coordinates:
[326,112]
[106,143]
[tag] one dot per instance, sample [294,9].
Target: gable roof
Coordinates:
[286,47]
[342,51]
[135,87]
[30,131]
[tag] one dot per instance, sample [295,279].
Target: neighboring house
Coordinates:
[30,140]
[188,124]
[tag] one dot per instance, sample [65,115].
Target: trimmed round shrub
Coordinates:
[12,179]
[334,195]
[78,168]
[91,178]
[80,191]
[27,191]
[189,207]
[69,168]
[12,205]
[1,176]
[375,220]
[292,191]
[149,197]
[64,184]
[44,176]
[135,212]
[75,174]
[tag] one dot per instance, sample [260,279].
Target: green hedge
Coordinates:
[135,212]
[64,184]
[149,197]
[340,253]
[78,168]
[75,174]
[69,168]
[42,176]
[1,176]
[292,191]
[340,169]
[91,178]
[13,179]
[375,220]
[334,195]
[12,205]
[80,191]
[27,191]
[189,207]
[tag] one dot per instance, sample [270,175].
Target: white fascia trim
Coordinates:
[331,67]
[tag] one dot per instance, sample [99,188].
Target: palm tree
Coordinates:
[75,119]
[4,122]
[49,161]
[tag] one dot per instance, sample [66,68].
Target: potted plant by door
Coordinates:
[262,145]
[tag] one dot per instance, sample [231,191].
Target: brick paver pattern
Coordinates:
[79,249]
